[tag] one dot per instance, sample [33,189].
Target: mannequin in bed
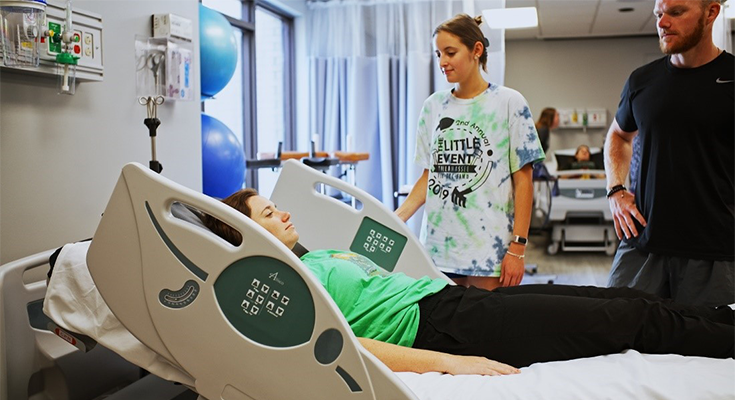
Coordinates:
[423,325]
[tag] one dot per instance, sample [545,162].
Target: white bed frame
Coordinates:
[581,198]
[138,264]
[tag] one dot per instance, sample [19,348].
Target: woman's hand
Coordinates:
[511,270]
[472,365]
[408,359]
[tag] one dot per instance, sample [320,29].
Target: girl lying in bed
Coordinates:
[423,325]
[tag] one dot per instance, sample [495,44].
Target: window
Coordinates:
[256,104]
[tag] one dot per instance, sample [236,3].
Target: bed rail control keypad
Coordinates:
[260,296]
[266,301]
[379,243]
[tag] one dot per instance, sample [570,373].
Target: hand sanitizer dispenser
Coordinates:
[21,25]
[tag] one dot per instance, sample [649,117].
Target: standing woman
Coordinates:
[477,143]
[548,120]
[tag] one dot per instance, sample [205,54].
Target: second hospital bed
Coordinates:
[576,209]
[183,294]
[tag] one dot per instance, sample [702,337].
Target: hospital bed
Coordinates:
[580,215]
[173,298]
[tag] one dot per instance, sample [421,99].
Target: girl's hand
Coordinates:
[471,365]
[511,270]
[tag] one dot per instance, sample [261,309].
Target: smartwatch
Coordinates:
[520,240]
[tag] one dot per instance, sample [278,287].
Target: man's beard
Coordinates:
[688,42]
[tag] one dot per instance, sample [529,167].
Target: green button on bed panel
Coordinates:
[378,243]
[267,301]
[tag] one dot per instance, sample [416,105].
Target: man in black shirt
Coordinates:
[679,226]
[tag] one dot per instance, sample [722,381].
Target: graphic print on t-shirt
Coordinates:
[364,263]
[462,160]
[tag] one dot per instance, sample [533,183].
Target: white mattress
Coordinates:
[74,303]
[630,375]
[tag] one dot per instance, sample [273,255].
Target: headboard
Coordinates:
[565,159]
[203,304]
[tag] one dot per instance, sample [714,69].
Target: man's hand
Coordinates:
[511,271]
[622,205]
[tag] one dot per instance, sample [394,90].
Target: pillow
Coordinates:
[188,214]
[564,162]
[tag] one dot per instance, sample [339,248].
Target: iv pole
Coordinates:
[152,122]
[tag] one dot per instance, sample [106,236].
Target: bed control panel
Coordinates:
[379,243]
[266,301]
[262,298]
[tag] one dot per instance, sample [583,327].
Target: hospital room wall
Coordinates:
[60,156]
[568,74]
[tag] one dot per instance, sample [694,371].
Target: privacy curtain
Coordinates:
[371,66]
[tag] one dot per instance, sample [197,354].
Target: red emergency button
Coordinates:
[77,49]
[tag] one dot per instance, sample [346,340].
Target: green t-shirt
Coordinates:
[377,305]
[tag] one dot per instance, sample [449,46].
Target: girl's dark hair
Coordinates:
[467,29]
[238,201]
[546,119]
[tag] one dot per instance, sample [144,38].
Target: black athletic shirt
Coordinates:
[686,122]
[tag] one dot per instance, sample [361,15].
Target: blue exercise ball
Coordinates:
[223,159]
[217,49]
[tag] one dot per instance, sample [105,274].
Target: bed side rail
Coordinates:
[324,222]
[247,322]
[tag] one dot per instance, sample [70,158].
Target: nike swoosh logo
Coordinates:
[719,80]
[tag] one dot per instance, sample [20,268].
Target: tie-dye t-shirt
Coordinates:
[471,147]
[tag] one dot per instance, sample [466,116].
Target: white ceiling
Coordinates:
[561,19]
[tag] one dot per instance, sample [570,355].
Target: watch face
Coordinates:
[520,239]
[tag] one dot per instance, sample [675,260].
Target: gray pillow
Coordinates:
[188,214]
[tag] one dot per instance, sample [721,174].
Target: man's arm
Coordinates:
[407,359]
[415,199]
[618,153]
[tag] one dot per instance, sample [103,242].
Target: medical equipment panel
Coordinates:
[378,243]
[86,44]
[266,301]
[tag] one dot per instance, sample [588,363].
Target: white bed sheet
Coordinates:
[629,375]
[74,303]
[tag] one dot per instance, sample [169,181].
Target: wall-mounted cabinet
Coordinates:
[582,118]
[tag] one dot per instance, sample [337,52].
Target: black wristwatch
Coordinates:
[520,240]
[615,189]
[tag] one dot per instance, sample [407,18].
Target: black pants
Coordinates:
[535,323]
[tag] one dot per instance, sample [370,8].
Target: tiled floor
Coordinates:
[571,268]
